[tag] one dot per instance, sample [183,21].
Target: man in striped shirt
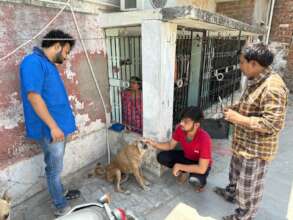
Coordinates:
[257,118]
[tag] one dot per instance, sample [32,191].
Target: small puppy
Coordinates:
[127,161]
[5,203]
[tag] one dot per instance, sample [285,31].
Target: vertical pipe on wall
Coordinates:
[270,21]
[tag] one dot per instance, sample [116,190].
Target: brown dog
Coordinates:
[5,202]
[127,161]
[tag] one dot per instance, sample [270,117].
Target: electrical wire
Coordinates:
[67,4]
[35,36]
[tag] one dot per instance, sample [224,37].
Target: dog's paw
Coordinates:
[119,190]
[147,183]
[127,192]
[146,188]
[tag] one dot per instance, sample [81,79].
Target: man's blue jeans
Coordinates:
[53,157]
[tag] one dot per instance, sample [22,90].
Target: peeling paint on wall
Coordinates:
[85,125]
[75,73]
[68,72]
[78,105]
[11,116]
[21,164]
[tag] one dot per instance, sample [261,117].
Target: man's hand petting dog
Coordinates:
[150,142]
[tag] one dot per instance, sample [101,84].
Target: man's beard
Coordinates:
[190,130]
[58,58]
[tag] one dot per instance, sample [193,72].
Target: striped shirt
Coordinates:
[264,101]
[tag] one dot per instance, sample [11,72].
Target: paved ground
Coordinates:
[165,193]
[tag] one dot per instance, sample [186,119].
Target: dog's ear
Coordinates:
[6,197]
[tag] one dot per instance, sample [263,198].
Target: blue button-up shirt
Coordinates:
[39,75]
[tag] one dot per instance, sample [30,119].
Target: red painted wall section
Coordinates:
[18,23]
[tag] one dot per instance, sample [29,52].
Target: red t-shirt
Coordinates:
[199,148]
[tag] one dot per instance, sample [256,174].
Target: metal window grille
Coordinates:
[182,72]
[124,62]
[221,74]
[219,59]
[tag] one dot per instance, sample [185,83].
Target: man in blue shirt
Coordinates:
[47,112]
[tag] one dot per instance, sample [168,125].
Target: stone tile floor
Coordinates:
[165,193]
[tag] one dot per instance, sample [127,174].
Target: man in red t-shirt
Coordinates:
[195,158]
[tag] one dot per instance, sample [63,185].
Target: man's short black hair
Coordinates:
[258,52]
[57,36]
[194,113]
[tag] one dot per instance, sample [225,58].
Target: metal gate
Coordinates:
[124,64]
[182,72]
[124,61]
[221,74]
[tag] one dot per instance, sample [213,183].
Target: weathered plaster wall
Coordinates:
[21,165]
[282,37]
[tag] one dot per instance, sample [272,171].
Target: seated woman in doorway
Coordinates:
[132,106]
[195,158]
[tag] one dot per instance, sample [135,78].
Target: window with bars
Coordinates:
[221,75]
[124,72]
[215,58]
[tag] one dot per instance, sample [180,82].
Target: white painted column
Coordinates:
[158,66]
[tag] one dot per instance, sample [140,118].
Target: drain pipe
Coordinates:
[270,20]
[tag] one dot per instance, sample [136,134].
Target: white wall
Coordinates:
[27,177]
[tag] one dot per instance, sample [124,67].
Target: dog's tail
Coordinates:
[99,171]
